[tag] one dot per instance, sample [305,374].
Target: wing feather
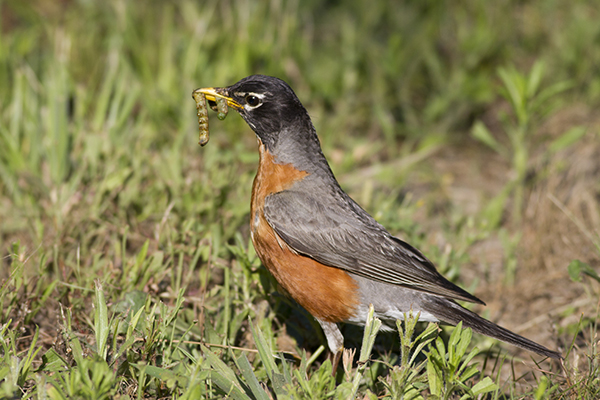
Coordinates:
[337,232]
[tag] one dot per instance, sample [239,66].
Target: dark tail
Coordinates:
[452,313]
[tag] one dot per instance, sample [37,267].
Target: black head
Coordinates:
[272,110]
[268,105]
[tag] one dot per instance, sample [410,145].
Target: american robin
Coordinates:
[328,253]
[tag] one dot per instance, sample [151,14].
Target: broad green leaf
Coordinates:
[169,377]
[567,139]
[372,326]
[576,268]
[228,386]
[246,369]
[514,83]
[482,133]
[485,385]
[218,365]
[101,328]
[434,377]
[52,362]
[264,351]
[535,77]
[266,356]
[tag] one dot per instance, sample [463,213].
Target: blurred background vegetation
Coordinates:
[468,128]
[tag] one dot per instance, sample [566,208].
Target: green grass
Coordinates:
[126,265]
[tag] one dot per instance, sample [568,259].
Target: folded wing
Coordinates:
[341,234]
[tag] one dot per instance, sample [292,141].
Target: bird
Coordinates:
[322,248]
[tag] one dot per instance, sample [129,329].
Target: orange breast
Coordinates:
[329,294]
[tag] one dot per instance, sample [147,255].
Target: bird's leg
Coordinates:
[335,341]
[335,360]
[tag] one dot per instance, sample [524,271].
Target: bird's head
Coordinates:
[267,104]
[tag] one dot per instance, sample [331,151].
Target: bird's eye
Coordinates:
[252,100]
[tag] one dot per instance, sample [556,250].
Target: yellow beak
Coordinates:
[212,94]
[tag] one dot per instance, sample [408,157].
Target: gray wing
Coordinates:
[335,231]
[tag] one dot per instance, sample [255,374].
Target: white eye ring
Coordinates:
[252,100]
